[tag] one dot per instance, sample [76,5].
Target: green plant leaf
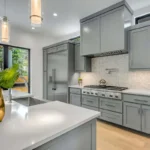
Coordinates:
[9,76]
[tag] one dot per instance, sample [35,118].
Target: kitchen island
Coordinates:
[53,125]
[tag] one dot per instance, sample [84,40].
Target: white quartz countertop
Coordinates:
[137,92]
[75,86]
[25,128]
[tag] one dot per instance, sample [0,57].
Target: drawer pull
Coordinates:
[111,117]
[137,100]
[109,105]
[89,101]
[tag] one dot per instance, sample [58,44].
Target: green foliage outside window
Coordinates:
[20,57]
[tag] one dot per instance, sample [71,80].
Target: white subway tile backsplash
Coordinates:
[122,77]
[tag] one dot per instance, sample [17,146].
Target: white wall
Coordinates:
[35,42]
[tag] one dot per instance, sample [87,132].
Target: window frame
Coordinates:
[6,63]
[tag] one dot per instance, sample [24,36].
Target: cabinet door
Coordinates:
[146,119]
[90,37]
[132,116]
[112,31]
[75,99]
[79,60]
[139,47]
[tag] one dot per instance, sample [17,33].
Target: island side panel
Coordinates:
[81,138]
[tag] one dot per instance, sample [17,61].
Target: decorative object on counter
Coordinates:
[80,81]
[7,80]
[102,82]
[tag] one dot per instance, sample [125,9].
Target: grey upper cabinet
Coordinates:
[82,64]
[132,116]
[112,31]
[90,37]
[139,47]
[104,33]
[146,119]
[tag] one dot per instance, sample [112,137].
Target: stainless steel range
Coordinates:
[113,92]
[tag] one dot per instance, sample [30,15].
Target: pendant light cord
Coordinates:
[4,7]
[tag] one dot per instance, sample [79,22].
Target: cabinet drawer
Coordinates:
[111,116]
[75,99]
[113,105]
[89,107]
[90,101]
[136,99]
[75,91]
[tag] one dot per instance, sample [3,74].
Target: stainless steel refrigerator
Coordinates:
[58,60]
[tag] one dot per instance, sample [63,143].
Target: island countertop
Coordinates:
[25,128]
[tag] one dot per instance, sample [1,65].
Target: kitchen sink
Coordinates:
[29,101]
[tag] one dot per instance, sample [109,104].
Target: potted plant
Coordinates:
[7,81]
[80,81]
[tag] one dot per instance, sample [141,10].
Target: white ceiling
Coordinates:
[69,13]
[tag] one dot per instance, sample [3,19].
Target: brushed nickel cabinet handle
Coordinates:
[139,111]
[111,117]
[89,101]
[109,105]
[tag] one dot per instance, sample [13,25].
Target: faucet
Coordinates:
[25,81]
[10,89]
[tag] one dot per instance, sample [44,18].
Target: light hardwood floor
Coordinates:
[110,137]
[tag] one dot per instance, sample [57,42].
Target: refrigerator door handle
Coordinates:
[50,79]
[53,79]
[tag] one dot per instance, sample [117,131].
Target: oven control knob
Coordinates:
[92,93]
[88,93]
[116,96]
[103,95]
[110,95]
[96,94]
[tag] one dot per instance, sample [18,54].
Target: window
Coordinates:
[10,55]
[142,19]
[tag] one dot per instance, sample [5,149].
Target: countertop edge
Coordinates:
[60,133]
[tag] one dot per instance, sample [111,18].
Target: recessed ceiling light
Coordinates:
[55,14]
[33,28]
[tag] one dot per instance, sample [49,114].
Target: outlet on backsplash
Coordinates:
[122,76]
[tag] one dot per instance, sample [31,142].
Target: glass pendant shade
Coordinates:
[36,13]
[5,30]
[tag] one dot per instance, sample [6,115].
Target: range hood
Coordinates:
[117,52]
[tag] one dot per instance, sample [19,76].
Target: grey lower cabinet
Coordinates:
[137,117]
[132,116]
[75,96]
[80,138]
[75,99]
[146,119]
[139,47]
[90,37]
[82,64]
[110,116]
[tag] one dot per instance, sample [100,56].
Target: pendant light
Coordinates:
[36,13]
[5,28]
